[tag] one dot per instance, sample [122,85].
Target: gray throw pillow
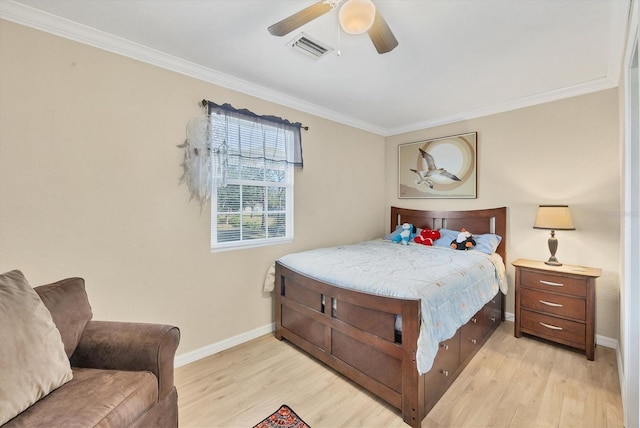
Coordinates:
[33,361]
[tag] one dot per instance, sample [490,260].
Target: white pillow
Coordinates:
[32,358]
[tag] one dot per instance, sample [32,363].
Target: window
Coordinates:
[253,166]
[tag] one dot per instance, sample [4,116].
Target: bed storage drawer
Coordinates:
[471,335]
[444,367]
[492,314]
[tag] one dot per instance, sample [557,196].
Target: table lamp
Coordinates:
[553,217]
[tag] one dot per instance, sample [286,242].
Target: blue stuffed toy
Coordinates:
[405,236]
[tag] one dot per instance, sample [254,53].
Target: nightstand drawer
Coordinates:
[556,283]
[554,304]
[548,327]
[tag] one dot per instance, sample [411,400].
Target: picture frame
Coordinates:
[443,167]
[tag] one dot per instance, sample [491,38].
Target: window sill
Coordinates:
[231,246]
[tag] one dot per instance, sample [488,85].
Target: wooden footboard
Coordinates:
[354,333]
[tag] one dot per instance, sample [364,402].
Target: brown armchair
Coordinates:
[122,372]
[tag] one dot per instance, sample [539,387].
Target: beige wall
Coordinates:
[564,152]
[89,173]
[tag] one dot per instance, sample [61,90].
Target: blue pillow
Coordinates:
[446,236]
[487,243]
[393,234]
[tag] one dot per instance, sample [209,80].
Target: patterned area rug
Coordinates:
[284,417]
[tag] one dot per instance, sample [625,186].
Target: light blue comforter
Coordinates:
[452,285]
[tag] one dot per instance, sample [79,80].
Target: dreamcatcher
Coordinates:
[205,157]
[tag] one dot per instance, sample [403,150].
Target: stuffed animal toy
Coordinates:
[464,241]
[405,236]
[427,237]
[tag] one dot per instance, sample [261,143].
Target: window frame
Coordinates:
[287,184]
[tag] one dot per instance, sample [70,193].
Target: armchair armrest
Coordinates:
[129,346]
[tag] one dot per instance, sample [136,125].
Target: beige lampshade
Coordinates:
[554,217]
[357,16]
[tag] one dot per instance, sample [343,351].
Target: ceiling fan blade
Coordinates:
[381,35]
[296,20]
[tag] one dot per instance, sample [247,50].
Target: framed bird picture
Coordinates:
[439,168]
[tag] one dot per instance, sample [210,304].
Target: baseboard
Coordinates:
[214,348]
[508,316]
[607,342]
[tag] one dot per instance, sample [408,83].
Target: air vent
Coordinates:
[309,47]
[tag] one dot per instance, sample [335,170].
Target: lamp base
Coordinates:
[553,247]
[553,262]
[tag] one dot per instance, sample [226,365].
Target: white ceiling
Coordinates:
[457,59]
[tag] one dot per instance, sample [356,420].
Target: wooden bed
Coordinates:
[354,332]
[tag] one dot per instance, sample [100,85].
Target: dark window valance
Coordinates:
[293,152]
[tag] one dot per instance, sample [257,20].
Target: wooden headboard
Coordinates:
[492,220]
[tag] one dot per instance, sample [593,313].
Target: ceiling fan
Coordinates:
[356,16]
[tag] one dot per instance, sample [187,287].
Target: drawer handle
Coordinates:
[444,346]
[554,284]
[473,320]
[474,341]
[445,372]
[555,305]
[552,327]
[492,319]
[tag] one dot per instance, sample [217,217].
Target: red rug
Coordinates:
[284,417]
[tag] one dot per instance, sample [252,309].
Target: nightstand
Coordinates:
[556,303]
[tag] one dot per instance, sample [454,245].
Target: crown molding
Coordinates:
[533,100]
[44,21]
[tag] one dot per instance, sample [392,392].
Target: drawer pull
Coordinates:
[552,327]
[473,320]
[474,341]
[444,346]
[553,284]
[492,319]
[445,372]
[555,305]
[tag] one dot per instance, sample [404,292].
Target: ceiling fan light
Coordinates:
[357,16]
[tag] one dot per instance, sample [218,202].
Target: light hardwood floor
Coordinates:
[509,383]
